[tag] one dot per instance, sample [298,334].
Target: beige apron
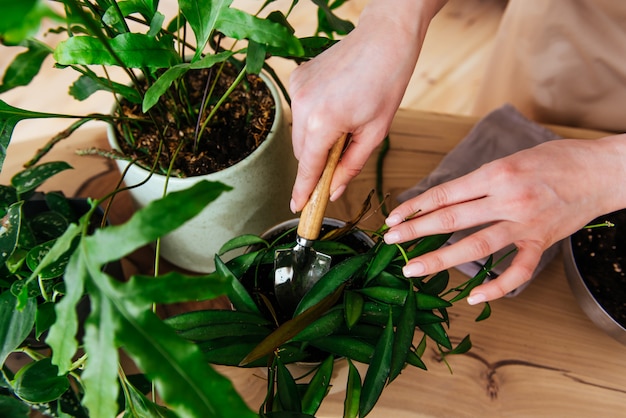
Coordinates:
[560,61]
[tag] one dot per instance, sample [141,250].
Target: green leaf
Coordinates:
[14,408]
[474,281]
[325,325]
[9,117]
[99,377]
[318,387]
[345,346]
[437,333]
[40,382]
[172,287]
[428,302]
[428,244]
[242,241]
[162,84]
[183,378]
[331,281]
[404,335]
[240,25]
[287,389]
[202,16]
[52,270]
[330,23]
[153,221]
[15,325]
[237,293]
[86,85]
[134,50]
[463,347]
[353,392]
[25,66]
[62,335]
[141,406]
[384,255]
[353,307]
[21,19]
[378,370]
[31,178]
[255,57]
[436,284]
[485,313]
[209,317]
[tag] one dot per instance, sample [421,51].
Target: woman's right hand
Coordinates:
[355,87]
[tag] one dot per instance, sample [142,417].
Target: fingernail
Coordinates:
[337,193]
[292,206]
[393,220]
[392,237]
[414,269]
[476,299]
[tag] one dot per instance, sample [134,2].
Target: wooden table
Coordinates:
[537,356]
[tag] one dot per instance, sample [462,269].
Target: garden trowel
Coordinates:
[297,269]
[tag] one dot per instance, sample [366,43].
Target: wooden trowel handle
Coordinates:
[314,210]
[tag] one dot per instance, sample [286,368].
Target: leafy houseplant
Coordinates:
[363,310]
[189,101]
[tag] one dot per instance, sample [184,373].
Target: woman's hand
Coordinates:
[532,199]
[355,87]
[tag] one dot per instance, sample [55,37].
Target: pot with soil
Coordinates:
[254,159]
[595,266]
[362,310]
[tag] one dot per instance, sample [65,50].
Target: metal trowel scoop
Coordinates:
[297,269]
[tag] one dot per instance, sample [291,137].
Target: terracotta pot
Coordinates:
[260,197]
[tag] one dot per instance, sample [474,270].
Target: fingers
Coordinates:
[474,247]
[468,188]
[521,270]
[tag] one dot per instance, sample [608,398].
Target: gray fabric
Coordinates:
[502,132]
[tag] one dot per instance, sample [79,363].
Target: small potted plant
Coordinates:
[362,311]
[192,102]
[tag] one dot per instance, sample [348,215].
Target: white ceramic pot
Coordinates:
[260,197]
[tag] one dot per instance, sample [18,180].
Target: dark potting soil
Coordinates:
[600,255]
[238,127]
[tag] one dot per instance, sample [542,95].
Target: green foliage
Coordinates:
[81,378]
[155,54]
[363,310]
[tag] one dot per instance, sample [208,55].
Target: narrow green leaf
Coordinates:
[353,392]
[331,281]
[353,307]
[15,325]
[86,85]
[237,293]
[437,333]
[242,241]
[325,325]
[287,389]
[378,371]
[428,244]
[384,255]
[387,295]
[25,66]
[208,317]
[31,178]
[62,335]
[463,347]
[427,302]
[172,287]
[255,57]
[345,346]
[474,281]
[99,376]
[162,84]
[485,313]
[14,408]
[318,387]
[436,284]
[404,335]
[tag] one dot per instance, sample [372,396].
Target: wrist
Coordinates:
[410,16]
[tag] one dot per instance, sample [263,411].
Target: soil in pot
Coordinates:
[600,255]
[240,125]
